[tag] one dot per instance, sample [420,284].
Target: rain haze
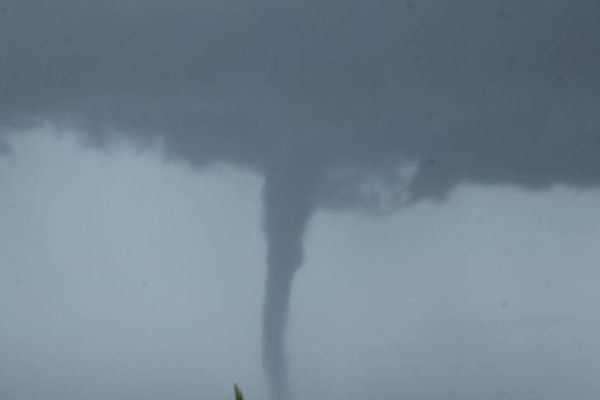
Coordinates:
[315,199]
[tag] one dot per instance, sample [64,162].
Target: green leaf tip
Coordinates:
[238,392]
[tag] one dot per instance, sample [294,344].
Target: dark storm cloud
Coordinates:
[494,92]
[335,103]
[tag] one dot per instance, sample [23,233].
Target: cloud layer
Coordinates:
[501,92]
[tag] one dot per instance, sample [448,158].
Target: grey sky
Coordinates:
[325,107]
[128,278]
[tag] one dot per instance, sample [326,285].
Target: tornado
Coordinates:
[288,197]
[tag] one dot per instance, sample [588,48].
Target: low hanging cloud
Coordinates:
[337,104]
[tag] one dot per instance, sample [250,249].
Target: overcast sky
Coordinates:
[123,277]
[421,177]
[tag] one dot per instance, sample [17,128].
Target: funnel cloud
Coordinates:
[337,104]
